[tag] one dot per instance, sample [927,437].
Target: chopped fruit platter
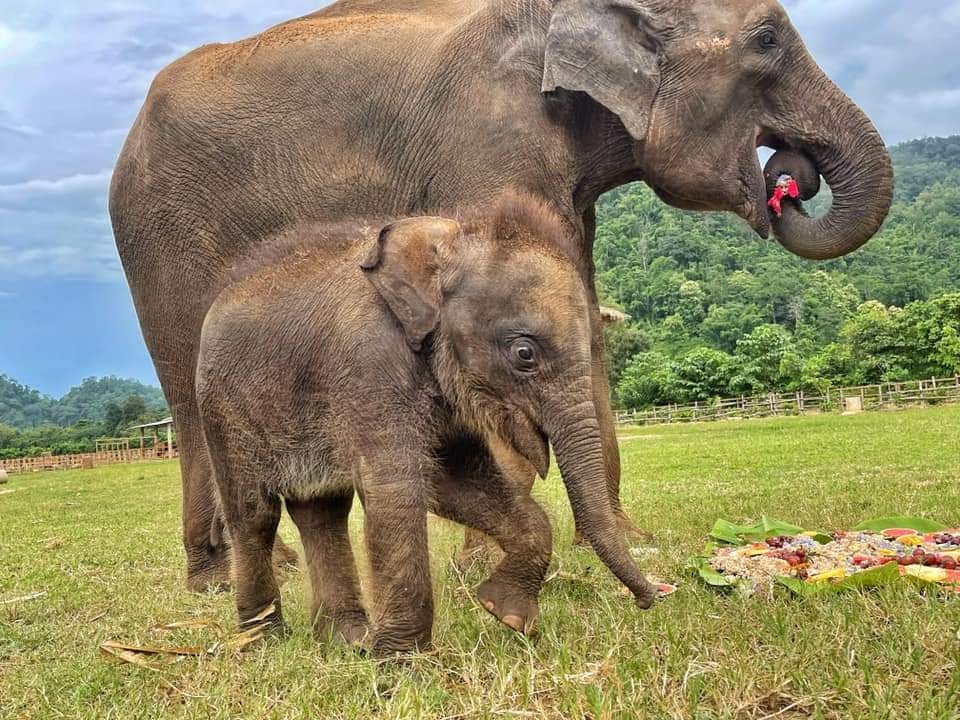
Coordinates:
[758,557]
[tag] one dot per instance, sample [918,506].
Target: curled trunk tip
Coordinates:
[856,165]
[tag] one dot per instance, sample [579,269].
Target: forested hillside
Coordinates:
[716,311]
[92,400]
[32,424]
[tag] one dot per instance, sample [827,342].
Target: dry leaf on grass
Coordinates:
[129,656]
[241,640]
[24,598]
[138,654]
[111,645]
[258,626]
[195,624]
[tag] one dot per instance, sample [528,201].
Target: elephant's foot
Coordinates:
[208,569]
[509,605]
[347,628]
[386,643]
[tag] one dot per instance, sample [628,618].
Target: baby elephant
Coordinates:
[404,368]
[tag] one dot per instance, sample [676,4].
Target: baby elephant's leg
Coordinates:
[474,492]
[395,528]
[480,548]
[337,602]
[252,524]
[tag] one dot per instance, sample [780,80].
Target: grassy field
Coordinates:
[104,547]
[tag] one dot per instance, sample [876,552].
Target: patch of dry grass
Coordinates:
[92,556]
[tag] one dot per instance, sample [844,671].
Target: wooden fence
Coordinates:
[82,460]
[853,399]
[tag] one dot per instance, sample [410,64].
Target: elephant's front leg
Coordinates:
[395,528]
[502,465]
[474,491]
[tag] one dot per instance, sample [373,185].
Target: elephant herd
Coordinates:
[359,245]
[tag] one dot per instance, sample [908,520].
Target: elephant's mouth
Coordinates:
[527,439]
[744,191]
[752,206]
[754,186]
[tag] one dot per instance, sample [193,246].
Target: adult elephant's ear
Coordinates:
[608,49]
[403,266]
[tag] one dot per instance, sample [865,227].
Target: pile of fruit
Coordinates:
[756,558]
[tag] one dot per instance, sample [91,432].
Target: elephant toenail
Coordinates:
[514,622]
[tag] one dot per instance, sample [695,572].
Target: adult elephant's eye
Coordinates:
[523,355]
[767,40]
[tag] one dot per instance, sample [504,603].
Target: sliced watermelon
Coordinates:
[894,533]
[664,589]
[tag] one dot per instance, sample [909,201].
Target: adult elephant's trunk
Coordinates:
[575,435]
[826,126]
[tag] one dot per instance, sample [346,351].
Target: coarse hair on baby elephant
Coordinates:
[464,349]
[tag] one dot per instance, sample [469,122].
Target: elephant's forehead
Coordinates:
[721,16]
[530,282]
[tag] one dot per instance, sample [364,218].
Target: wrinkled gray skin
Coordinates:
[423,106]
[457,337]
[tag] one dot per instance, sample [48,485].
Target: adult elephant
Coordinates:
[420,106]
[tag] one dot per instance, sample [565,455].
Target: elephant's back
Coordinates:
[288,124]
[363,109]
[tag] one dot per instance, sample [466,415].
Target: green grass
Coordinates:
[104,546]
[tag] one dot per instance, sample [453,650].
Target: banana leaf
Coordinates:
[730,533]
[874,577]
[765,527]
[921,525]
[701,565]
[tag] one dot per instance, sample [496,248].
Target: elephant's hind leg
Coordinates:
[252,523]
[337,610]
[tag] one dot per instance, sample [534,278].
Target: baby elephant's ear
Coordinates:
[403,266]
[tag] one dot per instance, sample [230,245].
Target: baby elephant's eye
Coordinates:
[523,354]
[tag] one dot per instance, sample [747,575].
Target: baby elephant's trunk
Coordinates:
[575,435]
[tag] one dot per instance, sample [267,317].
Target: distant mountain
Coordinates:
[24,407]
[921,164]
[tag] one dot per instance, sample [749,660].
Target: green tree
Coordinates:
[622,342]
[880,349]
[765,360]
[702,374]
[648,380]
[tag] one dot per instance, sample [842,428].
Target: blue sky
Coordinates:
[73,75]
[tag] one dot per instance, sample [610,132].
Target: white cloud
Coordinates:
[16,42]
[26,130]
[72,183]
[67,261]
